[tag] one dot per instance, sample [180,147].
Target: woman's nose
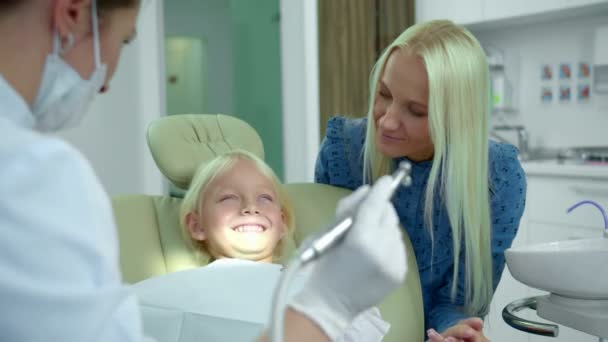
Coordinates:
[389,121]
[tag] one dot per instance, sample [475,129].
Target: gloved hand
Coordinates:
[358,273]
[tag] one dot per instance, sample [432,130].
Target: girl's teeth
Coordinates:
[247,229]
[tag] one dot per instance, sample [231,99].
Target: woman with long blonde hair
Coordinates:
[429,105]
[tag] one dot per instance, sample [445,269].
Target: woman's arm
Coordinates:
[445,311]
[339,161]
[321,167]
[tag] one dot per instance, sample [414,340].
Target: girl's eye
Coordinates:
[267,197]
[227,198]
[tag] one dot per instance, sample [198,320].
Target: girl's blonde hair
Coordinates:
[458,110]
[206,173]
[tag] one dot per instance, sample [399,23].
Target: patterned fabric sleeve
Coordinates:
[508,194]
[339,161]
[507,206]
[446,312]
[321,171]
[330,151]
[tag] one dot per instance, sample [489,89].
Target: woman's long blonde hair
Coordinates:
[206,173]
[458,110]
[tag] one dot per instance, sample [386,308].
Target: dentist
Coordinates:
[59,270]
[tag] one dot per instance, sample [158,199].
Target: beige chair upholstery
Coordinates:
[151,242]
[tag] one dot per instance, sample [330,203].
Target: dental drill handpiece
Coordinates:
[339,228]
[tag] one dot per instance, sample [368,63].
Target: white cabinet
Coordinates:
[459,11]
[488,11]
[545,220]
[500,9]
[578,3]
[548,199]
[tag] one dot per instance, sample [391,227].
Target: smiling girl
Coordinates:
[236,208]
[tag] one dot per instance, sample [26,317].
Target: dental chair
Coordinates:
[151,241]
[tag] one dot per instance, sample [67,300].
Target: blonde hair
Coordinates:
[206,173]
[458,110]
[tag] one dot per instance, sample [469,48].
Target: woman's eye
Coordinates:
[385,95]
[419,114]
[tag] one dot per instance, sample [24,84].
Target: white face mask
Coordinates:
[64,96]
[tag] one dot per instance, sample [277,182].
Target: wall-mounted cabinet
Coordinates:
[505,10]
[461,11]
[499,9]
[477,12]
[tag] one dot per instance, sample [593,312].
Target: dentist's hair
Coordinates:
[6,5]
[206,173]
[458,110]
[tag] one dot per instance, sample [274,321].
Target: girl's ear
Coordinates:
[284,225]
[194,226]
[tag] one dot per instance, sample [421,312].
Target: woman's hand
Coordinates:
[467,330]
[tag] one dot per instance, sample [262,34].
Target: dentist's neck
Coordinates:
[25,41]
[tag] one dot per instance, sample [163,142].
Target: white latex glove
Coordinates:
[363,269]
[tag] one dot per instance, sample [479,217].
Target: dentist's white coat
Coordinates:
[59,269]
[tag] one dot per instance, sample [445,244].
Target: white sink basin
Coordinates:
[572,268]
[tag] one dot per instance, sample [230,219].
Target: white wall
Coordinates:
[526,48]
[300,73]
[211,20]
[112,135]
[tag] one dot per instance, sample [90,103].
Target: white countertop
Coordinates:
[553,168]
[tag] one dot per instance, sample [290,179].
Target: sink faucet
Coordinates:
[601,209]
[522,138]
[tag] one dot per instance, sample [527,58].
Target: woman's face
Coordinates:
[401,108]
[116,28]
[240,215]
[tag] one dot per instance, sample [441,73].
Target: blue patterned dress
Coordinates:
[340,163]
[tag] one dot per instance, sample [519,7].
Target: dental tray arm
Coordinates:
[537,328]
